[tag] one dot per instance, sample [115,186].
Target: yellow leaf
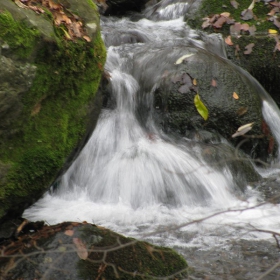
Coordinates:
[272,31]
[194,82]
[200,107]
[235,95]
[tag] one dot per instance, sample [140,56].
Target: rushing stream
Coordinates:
[133,178]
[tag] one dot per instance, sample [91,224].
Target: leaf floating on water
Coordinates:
[228,41]
[201,108]
[182,58]
[81,248]
[243,129]
[235,95]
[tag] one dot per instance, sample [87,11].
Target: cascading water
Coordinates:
[133,178]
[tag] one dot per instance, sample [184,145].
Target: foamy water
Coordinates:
[134,179]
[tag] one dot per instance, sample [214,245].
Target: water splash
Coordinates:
[131,177]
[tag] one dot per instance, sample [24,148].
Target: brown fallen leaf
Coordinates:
[245,27]
[234,4]
[242,111]
[69,232]
[87,38]
[81,248]
[252,30]
[247,14]
[214,83]
[228,41]
[249,48]
[235,29]
[235,95]
[219,23]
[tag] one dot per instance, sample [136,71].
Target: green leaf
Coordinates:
[200,107]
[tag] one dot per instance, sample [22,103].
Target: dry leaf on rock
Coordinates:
[214,83]
[243,129]
[228,41]
[234,4]
[235,95]
[249,48]
[81,248]
[247,14]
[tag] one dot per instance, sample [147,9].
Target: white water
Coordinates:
[134,179]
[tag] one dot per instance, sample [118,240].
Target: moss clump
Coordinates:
[20,38]
[85,251]
[131,260]
[56,108]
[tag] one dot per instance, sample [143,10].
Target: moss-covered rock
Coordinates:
[264,61]
[48,105]
[85,251]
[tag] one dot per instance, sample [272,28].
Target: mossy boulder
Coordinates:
[85,251]
[264,60]
[48,102]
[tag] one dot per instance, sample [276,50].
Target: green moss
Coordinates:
[20,38]
[134,260]
[55,112]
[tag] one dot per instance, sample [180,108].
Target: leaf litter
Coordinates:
[70,23]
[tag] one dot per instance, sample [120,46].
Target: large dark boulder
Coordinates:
[232,96]
[84,251]
[49,76]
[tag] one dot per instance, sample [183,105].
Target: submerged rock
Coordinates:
[49,76]
[84,251]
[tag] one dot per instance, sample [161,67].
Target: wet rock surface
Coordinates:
[241,259]
[84,251]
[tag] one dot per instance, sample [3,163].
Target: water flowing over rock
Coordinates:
[185,185]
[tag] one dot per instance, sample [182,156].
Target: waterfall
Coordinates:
[130,175]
